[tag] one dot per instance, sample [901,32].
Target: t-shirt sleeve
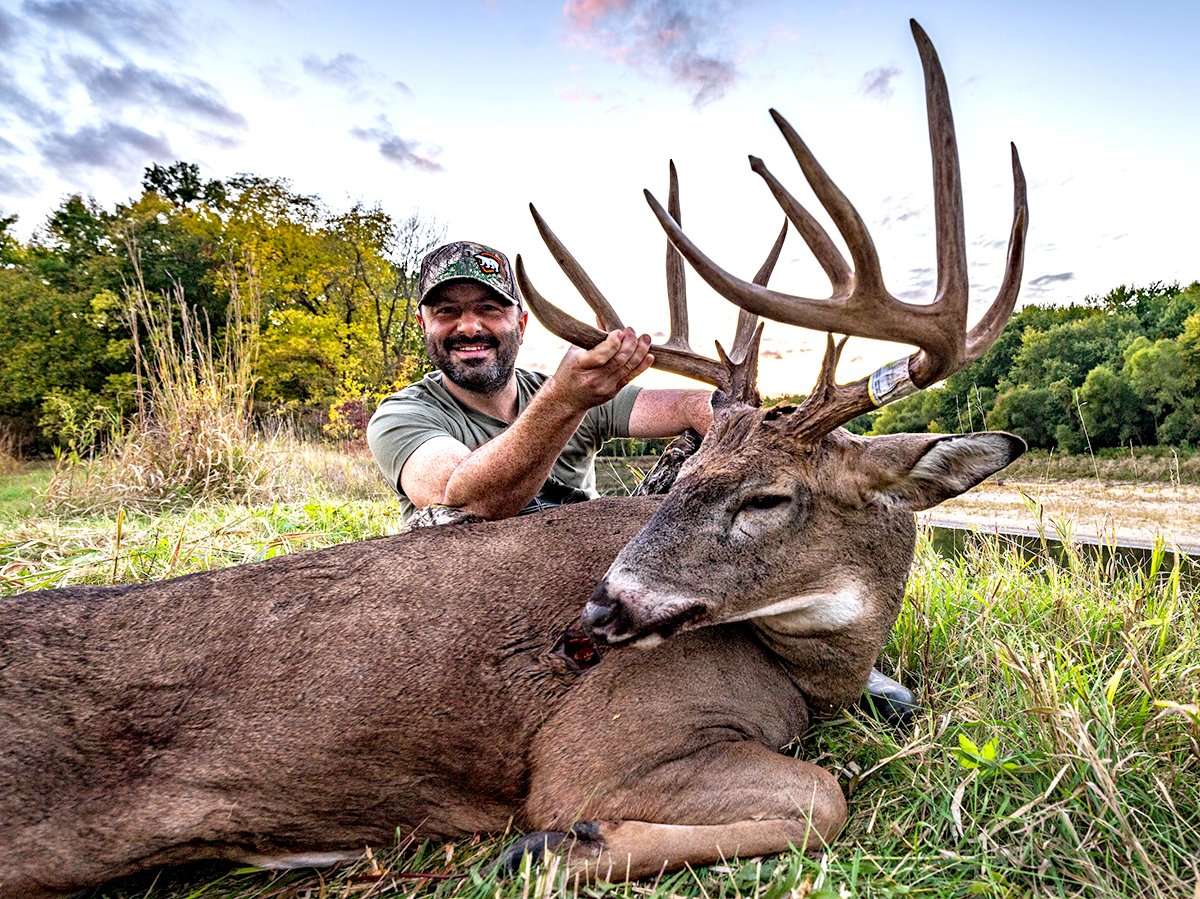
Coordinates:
[396,430]
[611,419]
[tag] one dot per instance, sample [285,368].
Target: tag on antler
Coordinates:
[891,383]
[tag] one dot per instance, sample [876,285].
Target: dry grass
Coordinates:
[1083,509]
[10,456]
[1135,465]
[193,435]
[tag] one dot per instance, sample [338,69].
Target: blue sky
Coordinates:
[466,111]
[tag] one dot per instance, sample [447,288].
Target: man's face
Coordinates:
[472,335]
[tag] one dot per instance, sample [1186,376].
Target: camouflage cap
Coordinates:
[467,261]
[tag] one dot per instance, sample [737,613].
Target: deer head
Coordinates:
[782,516]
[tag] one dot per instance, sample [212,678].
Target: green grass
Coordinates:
[21,491]
[1058,753]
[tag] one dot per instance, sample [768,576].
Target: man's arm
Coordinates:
[668,413]
[500,477]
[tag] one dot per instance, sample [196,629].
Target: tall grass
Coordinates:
[193,435]
[10,452]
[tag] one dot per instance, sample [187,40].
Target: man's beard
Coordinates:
[486,376]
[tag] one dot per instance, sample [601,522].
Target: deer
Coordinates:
[616,678]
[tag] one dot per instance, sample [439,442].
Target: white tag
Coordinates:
[891,383]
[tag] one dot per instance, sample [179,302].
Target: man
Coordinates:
[494,440]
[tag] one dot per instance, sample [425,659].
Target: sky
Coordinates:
[465,111]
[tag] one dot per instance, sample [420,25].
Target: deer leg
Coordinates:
[731,799]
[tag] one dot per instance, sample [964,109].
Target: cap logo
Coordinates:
[489,263]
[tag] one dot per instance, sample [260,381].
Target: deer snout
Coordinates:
[603,613]
[621,609]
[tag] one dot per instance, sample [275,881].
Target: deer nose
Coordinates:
[602,610]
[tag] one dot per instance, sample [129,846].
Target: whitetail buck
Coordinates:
[292,711]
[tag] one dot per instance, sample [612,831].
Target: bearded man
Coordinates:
[492,440]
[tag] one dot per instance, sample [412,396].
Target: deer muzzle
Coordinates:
[622,610]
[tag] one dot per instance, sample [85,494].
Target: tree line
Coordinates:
[334,298]
[1110,370]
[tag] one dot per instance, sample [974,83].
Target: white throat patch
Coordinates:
[811,613]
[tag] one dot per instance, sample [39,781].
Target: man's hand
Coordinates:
[588,378]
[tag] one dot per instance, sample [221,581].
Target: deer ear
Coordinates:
[918,471]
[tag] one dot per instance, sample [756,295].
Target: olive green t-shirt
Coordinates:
[425,410]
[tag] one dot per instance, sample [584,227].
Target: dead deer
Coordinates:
[291,711]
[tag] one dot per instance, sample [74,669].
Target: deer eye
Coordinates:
[764,502]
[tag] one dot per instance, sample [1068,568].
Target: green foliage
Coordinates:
[1110,407]
[1114,369]
[335,293]
[1032,413]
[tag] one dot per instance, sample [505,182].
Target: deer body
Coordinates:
[297,709]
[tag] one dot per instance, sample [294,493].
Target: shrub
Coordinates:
[192,434]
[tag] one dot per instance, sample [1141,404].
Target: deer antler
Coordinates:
[860,304]
[736,372]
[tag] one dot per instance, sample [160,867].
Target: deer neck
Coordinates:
[827,641]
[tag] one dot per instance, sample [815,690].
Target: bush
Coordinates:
[192,434]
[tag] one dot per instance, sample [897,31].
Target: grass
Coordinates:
[1141,465]
[21,489]
[1058,753]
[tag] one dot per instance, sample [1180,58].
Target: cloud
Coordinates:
[345,69]
[111,146]
[11,29]
[152,24]
[131,84]
[402,88]
[16,101]
[16,184]
[919,285]
[877,83]
[7,147]
[902,215]
[673,37]
[396,149]
[273,80]
[1043,281]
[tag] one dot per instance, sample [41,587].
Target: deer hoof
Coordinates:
[583,838]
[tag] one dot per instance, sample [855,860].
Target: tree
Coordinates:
[1110,408]
[181,184]
[1032,413]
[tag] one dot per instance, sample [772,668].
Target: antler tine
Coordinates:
[868,279]
[676,284]
[572,330]
[735,377]
[605,314]
[747,323]
[984,334]
[818,240]
[952,279]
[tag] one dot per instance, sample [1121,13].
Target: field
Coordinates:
[1057,753]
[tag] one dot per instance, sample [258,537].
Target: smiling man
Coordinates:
[494,440]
